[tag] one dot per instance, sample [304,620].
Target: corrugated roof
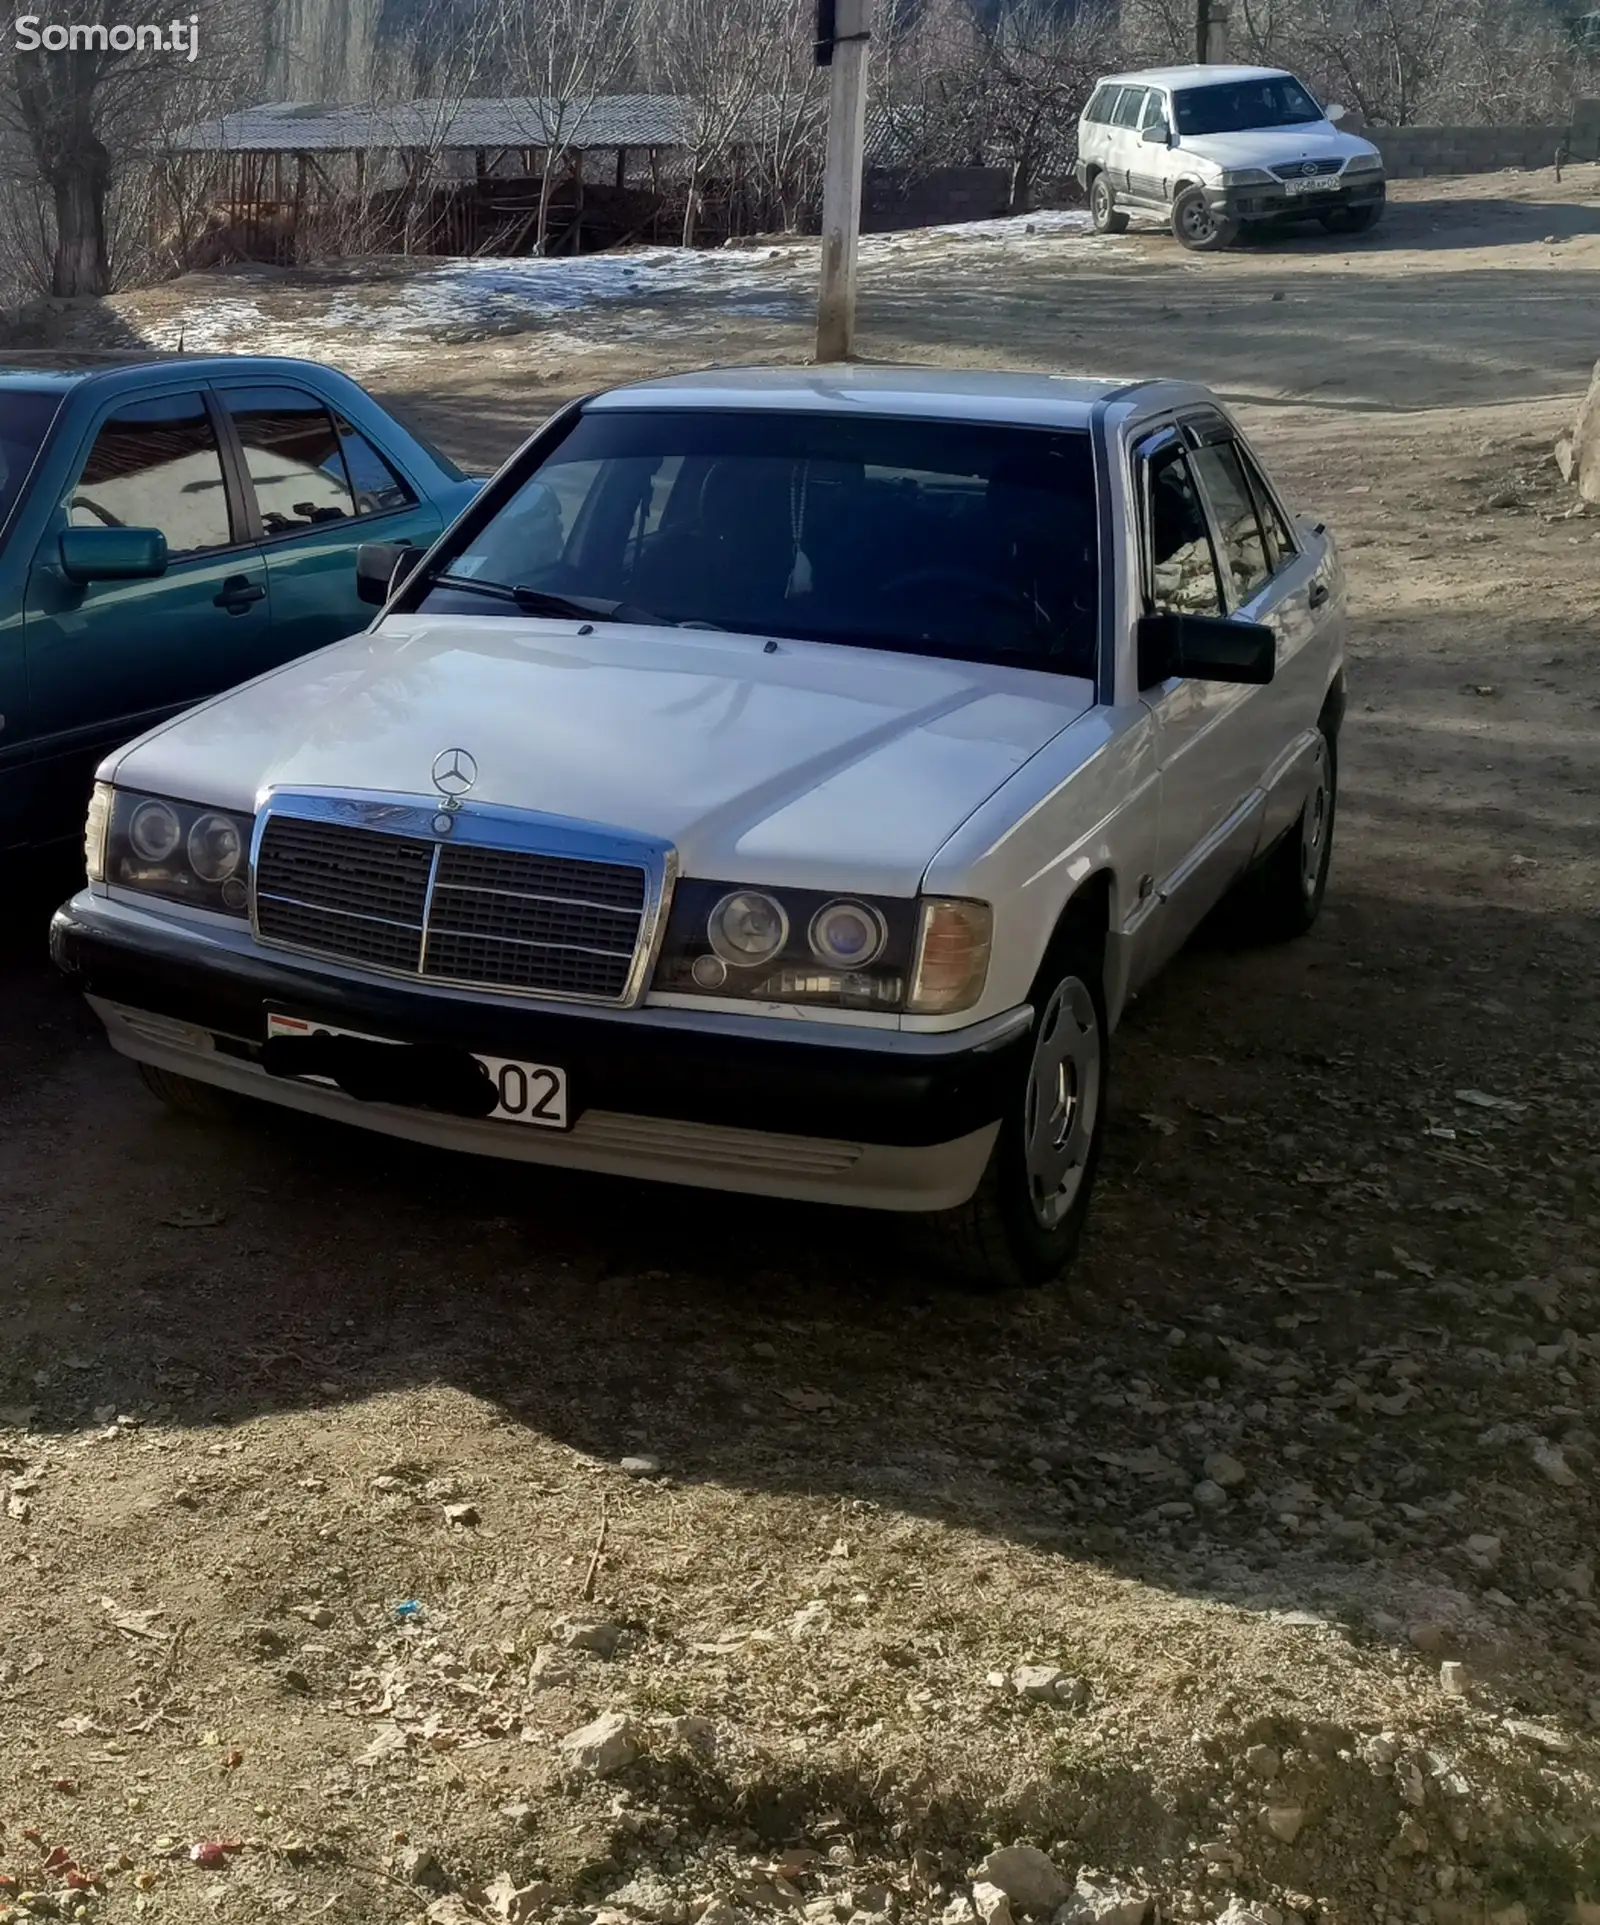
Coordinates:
[299,127]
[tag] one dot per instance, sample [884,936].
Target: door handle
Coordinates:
[1318,594]
[238,592]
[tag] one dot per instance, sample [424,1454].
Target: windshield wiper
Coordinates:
[539,601]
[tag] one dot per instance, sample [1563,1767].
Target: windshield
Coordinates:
[25,417]
[923,537]
[1242,104]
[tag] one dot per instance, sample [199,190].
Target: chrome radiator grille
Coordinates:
[455,912]
[1307,169]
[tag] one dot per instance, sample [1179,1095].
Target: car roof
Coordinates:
[1032,400]
[1208,76]
[53,370]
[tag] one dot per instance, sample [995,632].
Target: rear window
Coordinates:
[925,537]
[25,418]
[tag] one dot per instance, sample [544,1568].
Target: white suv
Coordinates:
[1217,148]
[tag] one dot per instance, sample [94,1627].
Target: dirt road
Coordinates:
[1315,1418]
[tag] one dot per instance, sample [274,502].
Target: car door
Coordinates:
[1123,137]
[1147,161]
[1210,805]
[108,659]
[317,488]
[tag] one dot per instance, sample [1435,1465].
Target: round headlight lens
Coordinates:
[747,929]
[216,848]
[155,831]
[847,934]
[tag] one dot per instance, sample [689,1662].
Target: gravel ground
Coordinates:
[386,1536]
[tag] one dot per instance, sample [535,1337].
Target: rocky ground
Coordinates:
[387,1538]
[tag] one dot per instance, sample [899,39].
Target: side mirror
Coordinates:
[381,566]
[1205,648]
[1159,134]
[113,554]
[1335,113]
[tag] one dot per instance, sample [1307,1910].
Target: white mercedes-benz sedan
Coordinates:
[776,780]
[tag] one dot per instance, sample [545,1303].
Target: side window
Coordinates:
[1129,107]
[1183,576]
[1095,112]
[293,457]
[379,490]
[156,464]
[1155,110]
[1244,553]
[1281,544]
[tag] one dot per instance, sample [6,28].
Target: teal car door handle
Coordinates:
[238,592]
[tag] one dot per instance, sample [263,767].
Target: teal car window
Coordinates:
[379,490]
[293,457]
[156,464]
[25,419]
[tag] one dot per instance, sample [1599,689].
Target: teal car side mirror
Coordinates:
[113,554]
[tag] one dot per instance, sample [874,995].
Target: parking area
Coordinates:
[262,1385]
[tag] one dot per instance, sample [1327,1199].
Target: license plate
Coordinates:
[531,1093]
[1310,184]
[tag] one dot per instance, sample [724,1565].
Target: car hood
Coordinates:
[1275,146]
[780,762]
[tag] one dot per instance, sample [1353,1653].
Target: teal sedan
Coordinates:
[171,526]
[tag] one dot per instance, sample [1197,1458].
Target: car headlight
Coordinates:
[927,956]
[1365,164]
[183,851]
[1248,177]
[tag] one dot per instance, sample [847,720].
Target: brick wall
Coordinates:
[1409,152]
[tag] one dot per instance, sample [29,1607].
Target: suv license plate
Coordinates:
[1310,184]
[532,1093]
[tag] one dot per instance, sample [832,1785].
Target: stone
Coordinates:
[550,1667]
[517,1904]
[523,1817]
[1552,1461]
[641,1466]
[1483,1551]
[991,1904]
[694,1734]
[1264,1761]
[1026,1876]
[1046,1684]
[1412,1839]
[1103,1901]
[1249,1911]
[648,1894]
[609,1744]
[1209,1495]
[1225,1470]
[1454,1678]
[1285,1822]
[463,1516]
[420,1867]
[1581,462]
[718,1911]
[585,1634]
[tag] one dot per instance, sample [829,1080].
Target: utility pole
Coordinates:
[1211,32]
[843,30]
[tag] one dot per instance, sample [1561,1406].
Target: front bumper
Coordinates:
[801,1108]
[1243,204]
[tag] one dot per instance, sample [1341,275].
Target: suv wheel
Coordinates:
[1103,215]
[1021,1226]
[1198,227]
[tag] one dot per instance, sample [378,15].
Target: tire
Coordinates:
[1197,227]
[1351,220]
[184,1094]
[1021,1226]
[1103,215]
[1283,898]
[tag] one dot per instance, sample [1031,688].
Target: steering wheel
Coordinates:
[968,582]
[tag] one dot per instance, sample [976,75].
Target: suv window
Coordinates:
[293,457]
[1095,112]
[156,464]
[1244,552]
[1129,107]
[1238,105]
[1155,110]
[1183,576]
